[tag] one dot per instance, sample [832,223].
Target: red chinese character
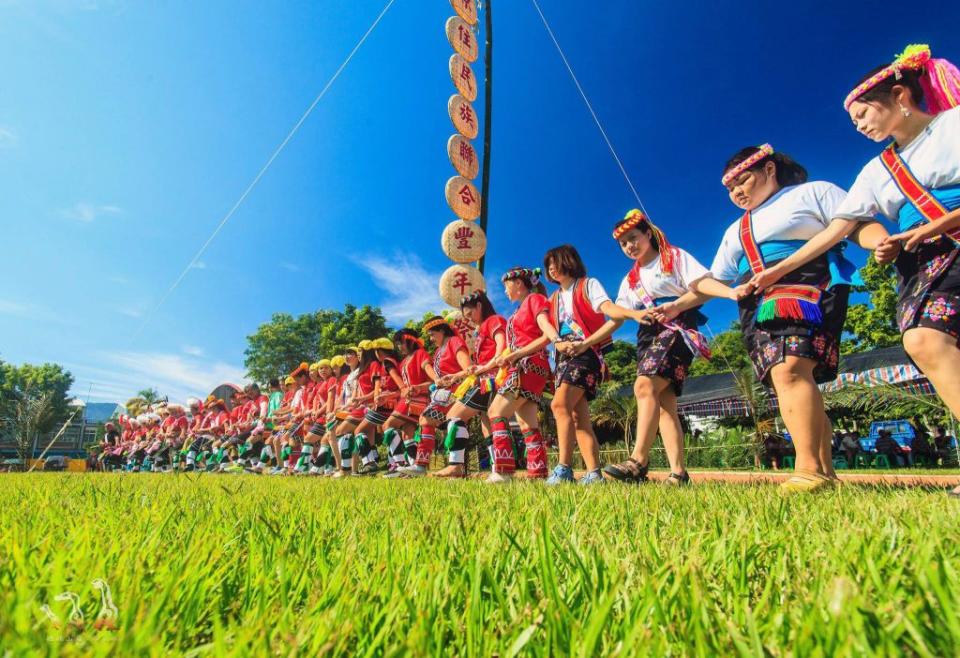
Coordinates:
[466,153]
[461,281]
[466,114]
[463,235]
[463,35]
[466,195]
[465,76]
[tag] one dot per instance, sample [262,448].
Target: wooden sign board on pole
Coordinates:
[463,78]
[463,117]
[460,280]
[462,38]
[463,156]
[466,9]
[463,242]
[463,198]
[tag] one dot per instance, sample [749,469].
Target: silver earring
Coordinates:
[904,111]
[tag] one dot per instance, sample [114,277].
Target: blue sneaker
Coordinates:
[560,475]
[593,477]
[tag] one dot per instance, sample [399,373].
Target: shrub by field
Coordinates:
[218,565]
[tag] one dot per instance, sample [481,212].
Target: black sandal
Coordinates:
[677,480]
[630,471]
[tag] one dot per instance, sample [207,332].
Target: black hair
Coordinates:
[643,227]
[566,259]
[367,358]
[882,92]
[408,339]
[789,171]
[444,328]
[388,354]
[274,382]
[480,299]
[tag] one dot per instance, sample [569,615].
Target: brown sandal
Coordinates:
[630,471]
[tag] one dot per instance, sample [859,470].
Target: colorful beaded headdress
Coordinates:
[763,151]
[533,276]
[471,299]
[434,323]
[939,78]
[635,218]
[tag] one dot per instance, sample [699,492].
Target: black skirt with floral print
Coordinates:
[583,371]
[772,343]
[929,284]
[662,352]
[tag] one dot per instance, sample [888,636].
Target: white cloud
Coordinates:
[29,311]
[119,375]
[199,265]
[412,290]
[291,267]
[130,312]
[85,212]
[192,350]
[8,137]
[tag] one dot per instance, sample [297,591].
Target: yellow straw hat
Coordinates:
[323,363]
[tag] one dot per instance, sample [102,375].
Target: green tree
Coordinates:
[729,354]
[278,346]
[28,381]
[621,360]
[873,325]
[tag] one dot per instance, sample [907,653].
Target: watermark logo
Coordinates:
[75,621]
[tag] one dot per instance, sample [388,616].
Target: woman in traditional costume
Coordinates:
[450,358]
[478,385]
[524,374]
[417,375]
[577,311]
[791,320]
[914,182]
[657,293]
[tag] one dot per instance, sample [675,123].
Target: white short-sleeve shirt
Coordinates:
[657,284]
[934,158]
[797,212]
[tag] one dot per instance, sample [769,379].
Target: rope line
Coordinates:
[260,174]
[593,114]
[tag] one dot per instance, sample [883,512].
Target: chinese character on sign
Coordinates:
[466,195]
[463,235]
[461,281]
[466,153]
[465,76]
[463,35]
[466,114]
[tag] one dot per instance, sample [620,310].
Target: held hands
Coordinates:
[643,316]
[666,312]
[906,241]
[741,291]
[763,280]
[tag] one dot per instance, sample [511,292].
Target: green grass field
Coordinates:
[218,565]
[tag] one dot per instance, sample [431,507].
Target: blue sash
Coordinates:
[909,217]
[842,271]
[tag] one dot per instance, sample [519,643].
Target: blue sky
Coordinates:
[127,130]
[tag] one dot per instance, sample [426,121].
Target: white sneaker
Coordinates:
[314,470]
[499,478]
[413,471]
[328,471]
[340,474]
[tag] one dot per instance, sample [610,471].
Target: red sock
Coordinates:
[503,461]
[536,454]
[427,443]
